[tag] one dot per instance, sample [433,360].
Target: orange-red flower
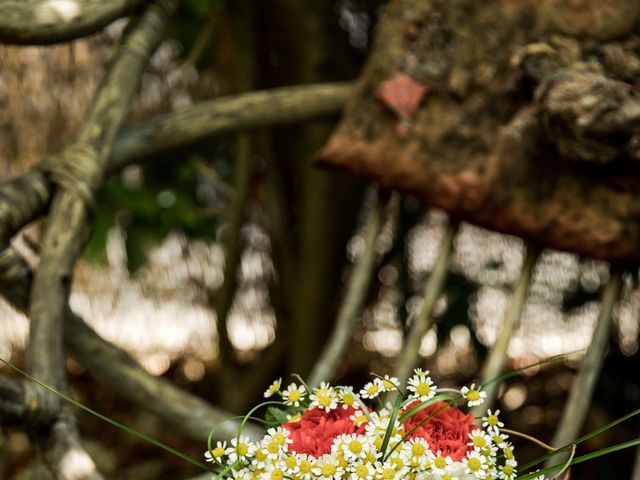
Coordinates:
[446,428]
[314,432]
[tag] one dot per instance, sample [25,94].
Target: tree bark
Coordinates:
[486,129]
[44,22]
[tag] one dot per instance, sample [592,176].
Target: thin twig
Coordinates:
[202,39]
[357,287]
[212,176]
[577,405]
[567,464]
[423,321]
[495,362]
[529,437]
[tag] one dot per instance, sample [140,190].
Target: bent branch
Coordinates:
[111,366]
[25,198]
[45,22]
[78,170]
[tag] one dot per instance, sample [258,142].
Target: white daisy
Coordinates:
[273,388]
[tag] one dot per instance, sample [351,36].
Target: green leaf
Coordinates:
[275,417]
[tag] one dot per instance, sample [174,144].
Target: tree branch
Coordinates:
[78,169]
[44,22]
[112,367]
[246,111]
[357,287]
[423,321]
[494,364]
[25,198]
[460,152]
[577,405]
[17,401]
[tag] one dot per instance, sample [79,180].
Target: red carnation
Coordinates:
[314,432]
[447,429]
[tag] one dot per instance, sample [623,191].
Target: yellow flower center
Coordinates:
[290,461]
[508,469]
[473,395]
[217,452]
[388,473]
[362,471]
[277,474]
[328,470]
[273,447]
[279,438]
[373,389]
[294,396]
[242,449]
[474,464]
[418,450]
[423,389]
[324,400]
[261,455]
[305,466]
[388,385]
[440,462]
[348,399]
[492,420]
[479,441]
[508,453]
[355,446]
[360,420]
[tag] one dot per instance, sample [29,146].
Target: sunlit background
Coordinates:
[160,312]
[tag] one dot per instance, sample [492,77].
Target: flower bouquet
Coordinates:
[335,433]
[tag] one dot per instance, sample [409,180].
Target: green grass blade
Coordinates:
[442,397]
[583,458]
[116,424]
[391,424]
[581,439]
[546,361]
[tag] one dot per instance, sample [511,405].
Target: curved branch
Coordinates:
[45,22]
[112,367]
[25,198]
[246,111]
[63,450]
[17,399]
[78,169]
